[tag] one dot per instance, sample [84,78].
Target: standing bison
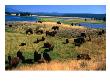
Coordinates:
[39,31]
[39,21]
[29,31]
[55,28]
[58,22]
[78,41]
[83,57]
[37,57]
[46,57]
[52,33]
[83,35]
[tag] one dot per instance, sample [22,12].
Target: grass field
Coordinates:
[63,55]
[71,20]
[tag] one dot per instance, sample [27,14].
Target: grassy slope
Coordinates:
[63,56]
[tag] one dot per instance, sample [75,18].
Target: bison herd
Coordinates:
[45,56]
[37,58]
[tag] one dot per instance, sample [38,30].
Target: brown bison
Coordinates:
[101,32]
[52,33]
[83,57]
[58,22]
[78,41]
[83,35]
[38,40]
[22,58]
[29,31]
[72,24]
[55,28]
[39,31]
[22,44]
[46,57]
[12,62]
[37,57]
[39,21]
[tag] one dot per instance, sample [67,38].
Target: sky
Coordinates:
[91,9]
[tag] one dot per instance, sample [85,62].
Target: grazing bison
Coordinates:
[47,45]
[10,25]
[39,31]
[38,40]
[37,57]
[58,22]
[72,24]
[39,21]
[29,31]
[83,57]
[101,32]
[42,39]
[67,41]
[22,58]
[83,35]
[46,57]
[22,44]
[51,33]
[55,27]
[12,62]
[78,41]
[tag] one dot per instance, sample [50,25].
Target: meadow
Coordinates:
[64,56]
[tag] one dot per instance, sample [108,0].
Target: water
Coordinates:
[91,25]
[34,18]
[19,18]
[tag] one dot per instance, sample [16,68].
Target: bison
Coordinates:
[72,24]
[67,41]
[83,57]
[22,44]
[20,55]
[101,32]
[10,25]
[58,22]
[78,41]
[51,33]
[38,40]
[83,35]
[55,27]
[37,57]
[47,45]
[39,21]
[46,57]
[29,31]
[22,58]
[39,31]
[13,61]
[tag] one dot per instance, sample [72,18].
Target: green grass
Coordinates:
[69,21]
[13,40]
[61,52]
